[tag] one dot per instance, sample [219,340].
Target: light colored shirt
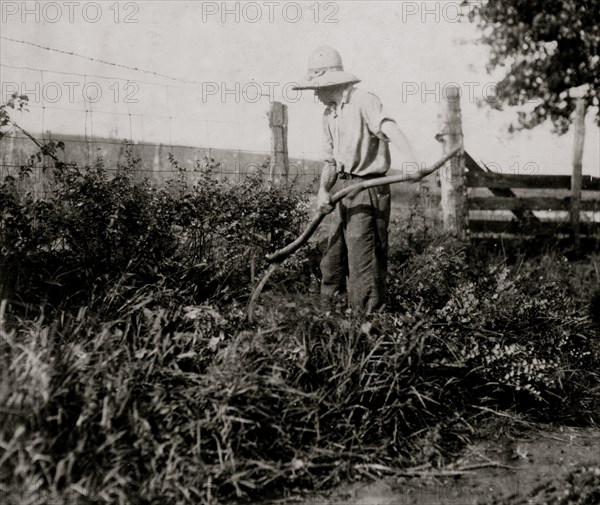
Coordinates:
[353,138]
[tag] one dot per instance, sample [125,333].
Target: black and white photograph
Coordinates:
[300,252]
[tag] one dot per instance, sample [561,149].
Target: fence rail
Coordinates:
[492,180]
[522,207]
[529,203]
[542,228]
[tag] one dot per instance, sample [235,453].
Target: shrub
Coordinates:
[92,232]
[522,332]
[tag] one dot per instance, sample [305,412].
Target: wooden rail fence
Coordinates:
[523,221]
[465,182]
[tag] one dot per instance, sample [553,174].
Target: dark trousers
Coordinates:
[357,248]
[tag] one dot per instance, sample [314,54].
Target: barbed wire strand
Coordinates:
[98,60]
[67,138]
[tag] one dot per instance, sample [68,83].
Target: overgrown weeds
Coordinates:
[156,389]
[93,233]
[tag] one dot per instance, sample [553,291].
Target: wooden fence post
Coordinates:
[278,122]
[452,176]
[575,207]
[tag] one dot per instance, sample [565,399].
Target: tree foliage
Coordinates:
[547,48]
[14,103]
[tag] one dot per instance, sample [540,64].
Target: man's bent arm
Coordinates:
[398,139]
[328,179]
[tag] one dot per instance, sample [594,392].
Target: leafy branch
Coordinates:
[19,103]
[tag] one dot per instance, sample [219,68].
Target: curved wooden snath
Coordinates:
[278,256]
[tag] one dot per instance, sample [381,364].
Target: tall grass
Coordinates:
[149,393]
[172,404]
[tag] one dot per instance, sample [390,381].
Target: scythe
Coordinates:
[276,258]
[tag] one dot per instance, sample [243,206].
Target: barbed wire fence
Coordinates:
[94,114]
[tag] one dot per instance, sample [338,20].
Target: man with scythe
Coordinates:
[357,132]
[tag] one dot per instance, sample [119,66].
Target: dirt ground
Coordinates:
[509,468]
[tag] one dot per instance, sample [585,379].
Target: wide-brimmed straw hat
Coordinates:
[325,68]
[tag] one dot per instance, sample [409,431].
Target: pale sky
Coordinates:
[405,52]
